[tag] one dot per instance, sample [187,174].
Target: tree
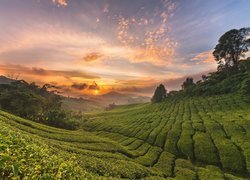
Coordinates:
[160,94]
[231,47]
[204,78]
[188,83]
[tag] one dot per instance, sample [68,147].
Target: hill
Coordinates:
[87,104]
[80,104]
[5,80]
[100,102]
[195,137]
[201,132]
[120,98]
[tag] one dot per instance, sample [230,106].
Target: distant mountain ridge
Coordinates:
[90,102]
[93,103]
[5,80]
[120,98]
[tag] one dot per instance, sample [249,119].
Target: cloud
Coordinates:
[84,86]
[149,37]
[92,56]
[39,71]
[106,8]
[36,71]
[80,86]
[147,86]
[204,57]
[144,42]
[94,86]
[143,86]
[60,2]
[50,37]
[137,82]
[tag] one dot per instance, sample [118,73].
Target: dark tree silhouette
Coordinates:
[160,94]
[231,47]
[187,83]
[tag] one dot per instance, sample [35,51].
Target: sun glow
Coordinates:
[96,92]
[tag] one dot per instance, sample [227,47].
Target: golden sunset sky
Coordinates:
[98,46]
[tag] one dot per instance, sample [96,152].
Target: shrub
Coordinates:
[230,156]
[183,173]
[204,149]
[210,172]
[166,163]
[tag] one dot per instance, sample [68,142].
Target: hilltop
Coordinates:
[5,80]
[121,98]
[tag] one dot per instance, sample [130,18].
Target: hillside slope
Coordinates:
[82,105]
[188,138]
[184,137]
[5,80]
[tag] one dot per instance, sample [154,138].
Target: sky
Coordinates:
[129,46]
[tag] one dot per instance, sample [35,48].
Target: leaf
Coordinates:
[15,169]
[3,147]
[3,160]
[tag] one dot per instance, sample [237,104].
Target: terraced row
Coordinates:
[198,138]
[211,131]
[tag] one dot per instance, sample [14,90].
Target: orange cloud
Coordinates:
[80,86]
[137,82]
[68,82]
[155,55]
[92,56]
[94,86]
[60,2]
[152,42]
[204,57]
[43,73]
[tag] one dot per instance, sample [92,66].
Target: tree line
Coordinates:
[228,53]
[36,103]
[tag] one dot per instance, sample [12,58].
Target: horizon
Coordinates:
[91,48]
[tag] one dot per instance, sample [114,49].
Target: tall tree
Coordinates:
[187,83]
[160,94]
[231,47]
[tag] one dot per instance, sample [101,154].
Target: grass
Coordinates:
[188,138]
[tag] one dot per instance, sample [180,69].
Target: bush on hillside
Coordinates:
[35,103]
[160,94]
[189,82]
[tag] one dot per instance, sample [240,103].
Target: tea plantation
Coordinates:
[180,138]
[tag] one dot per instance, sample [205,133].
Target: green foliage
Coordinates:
[230,156]
[245,86]
[35,103]
[244,65]
[185,143]
[222,82]
[231,47]
[184,169]
[166,163]
[160,94]
[150,157]
[204,148]
[183,173]
[178,138]
[198,129]
[22,158]
[189,82]
[210,172]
